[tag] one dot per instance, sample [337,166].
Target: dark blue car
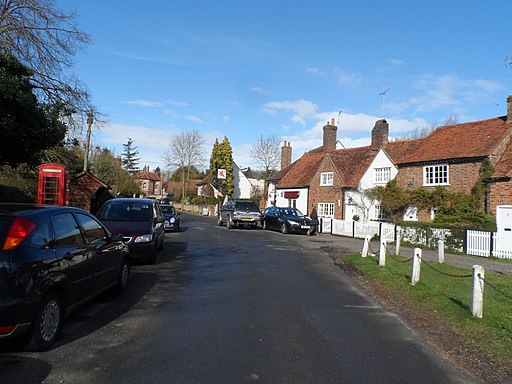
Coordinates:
[172,218]
[52,260]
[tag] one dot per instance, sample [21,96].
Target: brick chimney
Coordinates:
[330,137]
[380,135]
[286,155]
[509,109]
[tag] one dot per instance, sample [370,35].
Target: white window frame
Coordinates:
[437,174]
[326,209]
[326,178]
[382,175]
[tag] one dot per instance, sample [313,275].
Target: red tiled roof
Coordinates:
[148,176]
[301,171]
[461,141]
[352,163]
[503,166]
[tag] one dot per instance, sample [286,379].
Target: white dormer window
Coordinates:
[435,175]
[382,175]
[326,178]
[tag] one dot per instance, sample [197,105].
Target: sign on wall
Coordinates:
[221,173]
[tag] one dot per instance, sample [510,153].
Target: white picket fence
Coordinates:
[479,243]
[358,229]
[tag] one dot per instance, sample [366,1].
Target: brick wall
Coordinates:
[462,177]
[501,194]
[326,194]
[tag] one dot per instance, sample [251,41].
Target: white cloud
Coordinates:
[194,119]
[347,78]
[259,90]
[315,71]
[302,109]
[450,91]
[144,103]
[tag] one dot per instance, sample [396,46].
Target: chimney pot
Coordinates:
[286,155]
[509,109]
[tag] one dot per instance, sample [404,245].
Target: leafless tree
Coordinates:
[266,153]
[421,132]
[185,151]
[46,39]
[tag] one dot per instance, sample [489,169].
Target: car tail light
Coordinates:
[7,329]
[18,232]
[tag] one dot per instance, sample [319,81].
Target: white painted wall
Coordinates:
[301,203]
[357,203]
[380,161]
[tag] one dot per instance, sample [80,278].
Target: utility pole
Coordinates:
[88,140]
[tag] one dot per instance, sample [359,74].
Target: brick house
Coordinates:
[150,183]
[452,157]
[332,179]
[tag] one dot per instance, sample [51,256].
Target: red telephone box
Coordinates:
[52,186]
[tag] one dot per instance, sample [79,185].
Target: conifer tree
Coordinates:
[222,158]
[130,161]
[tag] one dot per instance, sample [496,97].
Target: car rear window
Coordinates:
[246,206]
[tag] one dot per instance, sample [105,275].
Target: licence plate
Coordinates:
[304,227]
[247,219]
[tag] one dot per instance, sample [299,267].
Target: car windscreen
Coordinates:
[167,210]
[133,211]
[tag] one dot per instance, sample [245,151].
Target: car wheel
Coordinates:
[177,227]
[219,221]
[161,246]
[229,223]
[264,224]
[124,274]
[46,325]
[284,228]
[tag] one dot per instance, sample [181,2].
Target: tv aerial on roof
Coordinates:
[383,94]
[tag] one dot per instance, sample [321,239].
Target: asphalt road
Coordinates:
[234,306]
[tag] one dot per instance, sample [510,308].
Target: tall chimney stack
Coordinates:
[380,135]
[286,155]
[330,137]
[509,109]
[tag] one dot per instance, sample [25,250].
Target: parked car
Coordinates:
[172,218]
[239,212]
[53,259]
[285,220]
[141,222]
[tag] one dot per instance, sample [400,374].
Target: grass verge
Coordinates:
[446,299]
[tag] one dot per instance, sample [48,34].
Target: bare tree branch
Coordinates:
[266,153]
[46,39]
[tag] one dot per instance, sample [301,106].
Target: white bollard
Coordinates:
[416,266]
[382,253]
[398,239]
[477,293]
[366,246]
[440,246]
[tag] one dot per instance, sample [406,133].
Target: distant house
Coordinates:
[243,187]
[333,180]
[150,183]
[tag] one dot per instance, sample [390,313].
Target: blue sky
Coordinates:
[247,68]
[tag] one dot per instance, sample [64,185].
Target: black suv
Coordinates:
[239,212]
